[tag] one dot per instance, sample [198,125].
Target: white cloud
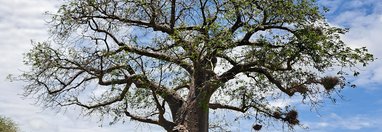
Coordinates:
[331,4]
[282,102]
[355,122]
[365,21]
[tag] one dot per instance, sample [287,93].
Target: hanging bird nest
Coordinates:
[276,115]
[291,117]
[329,82]
[257,127]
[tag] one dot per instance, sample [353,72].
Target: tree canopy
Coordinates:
[7,125]
[169,62]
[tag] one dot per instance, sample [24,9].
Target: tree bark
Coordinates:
[196,119]
[193,117]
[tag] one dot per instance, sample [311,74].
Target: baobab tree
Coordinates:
[171,62]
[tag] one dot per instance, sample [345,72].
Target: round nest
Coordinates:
[329,82]
[257,127]
[291,117]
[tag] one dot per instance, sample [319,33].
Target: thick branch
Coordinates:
[159,56]
[181,87]
[173,10]
[174,100]
[108,102]
[246,39]
[226,57]
[245,108]
[238,23]
[141,119]
[271,79]
[202,8]
[229,107]
[162,120]
[230,74]
[144,52]
[139,23]
[236,69]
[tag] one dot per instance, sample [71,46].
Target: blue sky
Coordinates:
[361,109]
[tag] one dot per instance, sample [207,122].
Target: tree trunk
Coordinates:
[197,118]
[194,117]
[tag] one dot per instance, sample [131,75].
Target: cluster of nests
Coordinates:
[289,117]
[328,83]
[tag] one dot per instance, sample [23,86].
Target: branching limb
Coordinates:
[111,101]
[250,68]
[153,54]
[141,119]
[173,15]
[228,107]
[181,87]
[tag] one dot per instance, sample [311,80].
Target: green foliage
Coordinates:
[7,125]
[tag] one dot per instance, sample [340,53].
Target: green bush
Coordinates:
[7,125]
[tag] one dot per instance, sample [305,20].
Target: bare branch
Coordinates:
[249,67]
[172,17]
[238,23]
[141,119]
[229,107]
[111,101]
[181,87]
[153,54]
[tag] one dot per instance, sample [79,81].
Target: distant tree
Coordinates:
[169,62]
[7,125]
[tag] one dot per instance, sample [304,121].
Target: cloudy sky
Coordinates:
[361,109]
